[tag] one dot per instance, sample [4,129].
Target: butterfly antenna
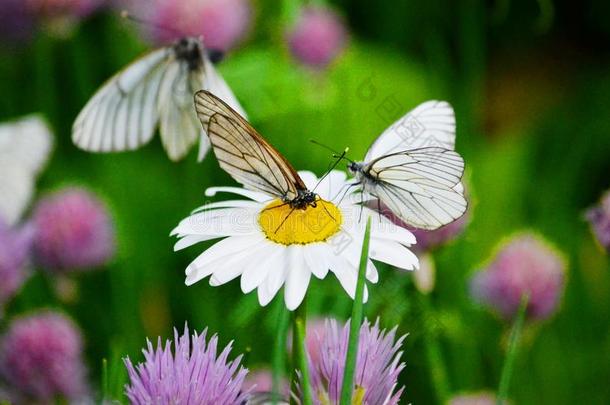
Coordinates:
[339,158]
[335,153]
[128,16]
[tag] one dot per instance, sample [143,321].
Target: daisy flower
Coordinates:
[269,245]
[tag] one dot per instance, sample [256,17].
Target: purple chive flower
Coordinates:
[14,254]
[222,23]
[526,264]
[377,366]
[16,23]
[41,359]
[599,219]
[478,398]
[318,36]
[192,374]
[73,231]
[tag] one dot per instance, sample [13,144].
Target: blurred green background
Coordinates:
[530,83]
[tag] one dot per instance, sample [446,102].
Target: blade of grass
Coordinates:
[513,343]
[299,357]
[356,320]
[279,350]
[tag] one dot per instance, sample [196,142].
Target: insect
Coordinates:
[413,170]
[25,146]
[154,91]
[247,157]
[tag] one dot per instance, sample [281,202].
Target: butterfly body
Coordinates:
[190,51]
[304,199]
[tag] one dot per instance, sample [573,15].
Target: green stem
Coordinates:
[299,357]
[434,354]
[279,350]
[513,343]
[356,320]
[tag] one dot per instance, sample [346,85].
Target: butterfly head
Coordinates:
[304,199]
[355,167]
[189,49]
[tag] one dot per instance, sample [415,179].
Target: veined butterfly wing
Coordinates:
[431,124]
[123,114]
[421,186]
[154,91]
[25,146]
[215,83]
[243,153]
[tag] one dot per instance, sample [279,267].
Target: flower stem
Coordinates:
[279,350]
[356,320]
[513,343]
[299,357]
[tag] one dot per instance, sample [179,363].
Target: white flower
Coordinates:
[270,244]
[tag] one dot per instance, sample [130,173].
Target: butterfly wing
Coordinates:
[420,186]
[179,127]
[431,124]
[243,153]
[123,114]
[215,84]
[25,146]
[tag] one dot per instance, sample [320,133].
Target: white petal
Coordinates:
[231,268]
[297,279]
[394,254]
[258,267]
[348,277]
[221,222]
[309,178]
[190,240]
[334,185]
[228,204]
[274,280]
[352,253]
[315,259]
[204,264]
[254,195]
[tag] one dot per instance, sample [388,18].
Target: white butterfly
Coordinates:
[25,146]
[413,169]
[155,91]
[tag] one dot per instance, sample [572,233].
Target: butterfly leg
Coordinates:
[285,219]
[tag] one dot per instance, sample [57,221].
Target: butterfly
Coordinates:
[412,168]
[25,146]
[247,157]
[154,91]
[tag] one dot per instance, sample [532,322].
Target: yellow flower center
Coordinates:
[288,226]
